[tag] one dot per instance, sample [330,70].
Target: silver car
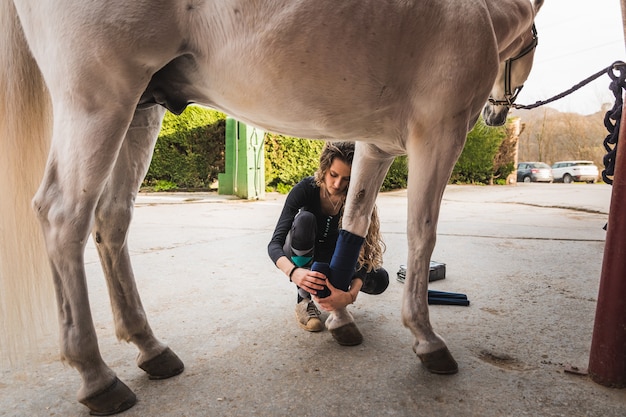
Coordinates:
[534,172]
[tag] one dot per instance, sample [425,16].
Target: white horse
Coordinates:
[85,83]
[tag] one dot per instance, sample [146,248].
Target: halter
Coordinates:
[509,96]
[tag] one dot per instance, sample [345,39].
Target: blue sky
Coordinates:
[576,39]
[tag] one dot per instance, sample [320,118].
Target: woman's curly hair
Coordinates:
[331,150]
[371,255]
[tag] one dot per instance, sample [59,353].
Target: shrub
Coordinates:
[190,154]
[288,160]
[163,185]
[476,163]
[190,150]
[397,175]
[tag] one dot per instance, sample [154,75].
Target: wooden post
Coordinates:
[607,360]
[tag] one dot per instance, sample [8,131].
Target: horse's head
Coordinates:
[518,61]
[511,77]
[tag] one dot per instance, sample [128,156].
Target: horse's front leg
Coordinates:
[113,216]
[431,159]
[369,168]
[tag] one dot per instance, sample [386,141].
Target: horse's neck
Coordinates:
[510,19]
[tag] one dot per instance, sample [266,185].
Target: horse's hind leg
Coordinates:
[113,216]
[431,159]
[82,155]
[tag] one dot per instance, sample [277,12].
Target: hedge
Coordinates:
[288,160]
[476,165]
[189,155]
[189,152]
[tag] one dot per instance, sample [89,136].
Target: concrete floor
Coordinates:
[528,257]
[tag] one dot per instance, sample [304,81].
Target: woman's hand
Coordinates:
[336,300]
[309,281]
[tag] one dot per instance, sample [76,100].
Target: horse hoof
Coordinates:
[165,365]
[114,399]
[347,335]
[439,362]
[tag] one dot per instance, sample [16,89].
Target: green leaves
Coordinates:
[288,160]
[476,165]
[189,153]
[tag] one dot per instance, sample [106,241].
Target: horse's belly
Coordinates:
[298,103]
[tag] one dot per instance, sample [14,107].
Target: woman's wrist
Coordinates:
[355,287]
[352,296]
[292,271]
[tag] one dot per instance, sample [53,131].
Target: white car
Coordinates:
[570,171]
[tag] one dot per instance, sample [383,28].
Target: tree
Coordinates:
[551,136]
[477,161]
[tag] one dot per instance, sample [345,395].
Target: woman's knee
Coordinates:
[375,281]
[303,230]
[300,243]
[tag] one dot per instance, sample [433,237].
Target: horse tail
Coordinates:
[26,289]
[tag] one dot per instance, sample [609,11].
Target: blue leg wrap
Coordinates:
[343,263]
[324,268]
[345,257]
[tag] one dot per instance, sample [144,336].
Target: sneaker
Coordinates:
[308,316]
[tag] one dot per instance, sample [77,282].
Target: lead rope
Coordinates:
[609,69]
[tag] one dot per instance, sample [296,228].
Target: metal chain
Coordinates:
[613,118]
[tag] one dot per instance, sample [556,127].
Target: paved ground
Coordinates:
[528,257]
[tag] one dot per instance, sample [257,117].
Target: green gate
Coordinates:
[244,162]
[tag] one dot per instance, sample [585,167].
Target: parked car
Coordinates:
[570,171]
[534,172]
